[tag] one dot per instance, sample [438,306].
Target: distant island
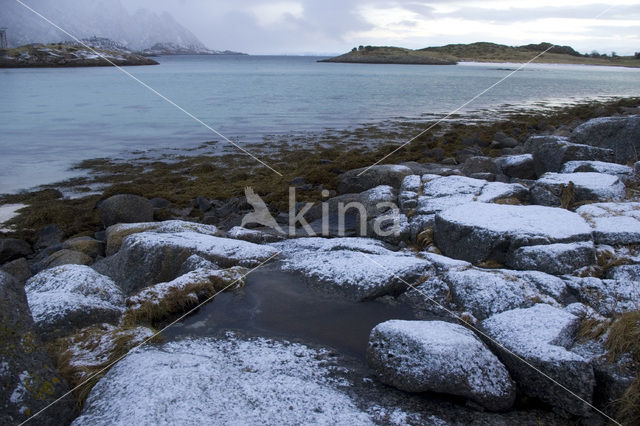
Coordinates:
[480,52]
[161,49]
[67,55]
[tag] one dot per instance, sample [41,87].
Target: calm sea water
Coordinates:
[51,118]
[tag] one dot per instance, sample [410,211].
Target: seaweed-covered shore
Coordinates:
[511,246]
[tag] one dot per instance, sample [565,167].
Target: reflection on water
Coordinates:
[280,304]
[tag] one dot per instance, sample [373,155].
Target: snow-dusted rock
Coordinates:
[365,178]
[28,380]
[436,356]
[551,152]
[149,257]
[556,259]
[480,164]
[229,381]
[587,186]
[253,235]
[624,273]
[619,134]
[72,296]
[518,166]
[540,335]
[624,173]
[117,233]
[384,219]
[480,231]
[607,297]
[613,223]
[442,193]
[411,183]
[358,268]
[483,292]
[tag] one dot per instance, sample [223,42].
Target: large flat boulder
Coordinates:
[225,381]
[551,152]
[149,258]
[359,180]
[587,186]
[624,173]
[556,259]
[436,356]
[619,134]
[69,297]
[613,223]
[355,268]
[441,193]
[477,232]
[540,336]
[28,380]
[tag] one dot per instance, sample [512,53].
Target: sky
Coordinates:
[335,26]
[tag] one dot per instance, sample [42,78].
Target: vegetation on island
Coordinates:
[483,52]
[67,55]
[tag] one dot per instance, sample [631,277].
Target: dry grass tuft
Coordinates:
[104,343]
[152,307]
[624,338]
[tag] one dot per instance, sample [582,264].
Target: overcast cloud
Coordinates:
[332,26]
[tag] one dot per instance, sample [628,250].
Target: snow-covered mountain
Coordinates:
[88,18]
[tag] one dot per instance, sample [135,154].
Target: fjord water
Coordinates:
[52,118]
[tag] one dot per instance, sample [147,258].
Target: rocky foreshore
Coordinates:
[522,271]
[67,55]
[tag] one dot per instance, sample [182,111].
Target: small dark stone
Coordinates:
[297,181]
[12,248]
[159,203]
[203,204]
[49,236]
[18,269]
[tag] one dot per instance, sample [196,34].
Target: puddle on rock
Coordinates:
[281,305]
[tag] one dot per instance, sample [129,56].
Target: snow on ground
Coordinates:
[230,382]
[8,212]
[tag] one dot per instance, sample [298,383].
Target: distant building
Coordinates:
[3,38]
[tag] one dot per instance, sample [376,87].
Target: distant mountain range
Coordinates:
[100,19]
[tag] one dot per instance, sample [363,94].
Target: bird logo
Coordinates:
[261,214]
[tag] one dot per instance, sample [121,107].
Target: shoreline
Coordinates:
[526,228]
[181,177]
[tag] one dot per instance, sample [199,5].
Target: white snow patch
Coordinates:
[541,332]
[553,223]
[8,212]
[231,381]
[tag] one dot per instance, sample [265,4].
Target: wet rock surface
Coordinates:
[28,379]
